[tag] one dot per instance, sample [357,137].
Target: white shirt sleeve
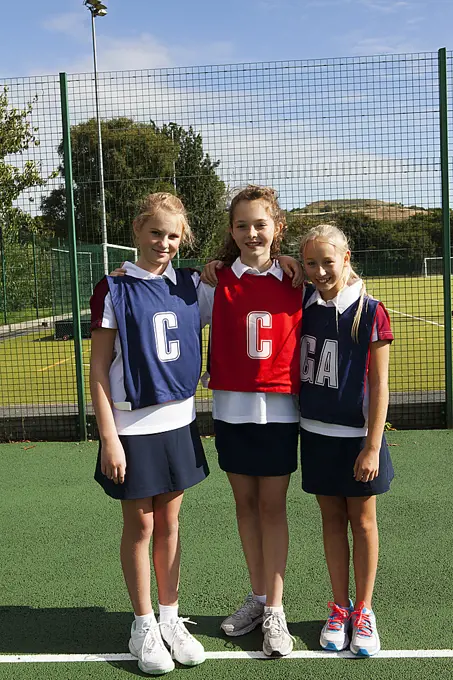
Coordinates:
[205,294]
[108,315]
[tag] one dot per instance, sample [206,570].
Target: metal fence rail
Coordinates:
[359,141]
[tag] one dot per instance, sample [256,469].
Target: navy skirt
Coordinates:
[257,450]
[158,463]
[328,466]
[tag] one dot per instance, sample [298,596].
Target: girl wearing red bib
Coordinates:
[255,377]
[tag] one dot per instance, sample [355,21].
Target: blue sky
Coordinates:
[45,37]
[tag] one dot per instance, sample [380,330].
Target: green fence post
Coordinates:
[73,256]
[446,239]
[3,260]
[35,273]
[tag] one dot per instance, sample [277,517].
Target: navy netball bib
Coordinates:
[334,365]
[160,333]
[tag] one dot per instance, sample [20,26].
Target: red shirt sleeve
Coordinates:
[97,303]
[382,324]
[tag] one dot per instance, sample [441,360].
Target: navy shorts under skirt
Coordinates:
[258,450]
[328,466]
[158,463]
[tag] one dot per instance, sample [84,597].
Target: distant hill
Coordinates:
[379,210]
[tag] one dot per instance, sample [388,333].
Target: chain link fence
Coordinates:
[356,141]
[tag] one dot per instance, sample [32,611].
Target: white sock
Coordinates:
[273,610]
[145,618]
[259,598]
[167,613]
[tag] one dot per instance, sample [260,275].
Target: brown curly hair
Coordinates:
[230,251]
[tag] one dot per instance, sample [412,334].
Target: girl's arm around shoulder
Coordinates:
[292,268]
[113,460]
[205,295]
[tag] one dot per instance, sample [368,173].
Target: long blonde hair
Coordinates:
[153,203]
[329,233]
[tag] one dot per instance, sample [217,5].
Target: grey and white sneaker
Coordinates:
[245,619]
[277,639]
[183,646]
[147,645]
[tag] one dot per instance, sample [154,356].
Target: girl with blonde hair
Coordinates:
[346,337]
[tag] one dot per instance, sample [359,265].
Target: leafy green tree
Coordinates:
[138,159]
[17,135]
[200,189]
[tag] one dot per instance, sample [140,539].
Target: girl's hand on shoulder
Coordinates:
[208,275]
[113,461]
[366,466]
[292,268]
[119,271]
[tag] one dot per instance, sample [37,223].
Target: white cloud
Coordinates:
[144,51]
[388,44]
[387,6]
[72,24]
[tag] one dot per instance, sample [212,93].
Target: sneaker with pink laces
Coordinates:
[365,639]
[335,633]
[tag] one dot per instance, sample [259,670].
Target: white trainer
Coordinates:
[147,645]
[365,639]
[183,646]
[277,639]
[335,633]
[245,619]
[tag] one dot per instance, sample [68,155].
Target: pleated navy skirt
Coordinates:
[158,463]
[328,466]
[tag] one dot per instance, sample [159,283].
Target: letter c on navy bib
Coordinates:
[160,333]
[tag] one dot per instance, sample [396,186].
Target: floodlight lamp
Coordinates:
[96,8]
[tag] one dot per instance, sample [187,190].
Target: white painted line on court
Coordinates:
[305,654]
[418,318]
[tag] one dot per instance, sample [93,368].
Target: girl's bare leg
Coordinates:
[245,490]
[362,516]
[334,512]
[138,525]
[274,532]
[166,546]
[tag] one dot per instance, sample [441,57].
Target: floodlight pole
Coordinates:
[94,11]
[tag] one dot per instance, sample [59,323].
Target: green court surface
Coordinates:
[47,366]
[63,592]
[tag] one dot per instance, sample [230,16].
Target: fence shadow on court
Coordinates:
[93,630]
[77,630]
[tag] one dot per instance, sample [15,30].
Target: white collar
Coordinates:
[345,298]
[139,273]
[239,268]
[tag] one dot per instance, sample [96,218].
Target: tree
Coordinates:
[200,189]
[138,159]
[16,136]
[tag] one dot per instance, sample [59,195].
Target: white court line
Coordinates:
[305,654]
[418,318]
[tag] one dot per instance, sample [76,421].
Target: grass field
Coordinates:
[47,367]
[63,593]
